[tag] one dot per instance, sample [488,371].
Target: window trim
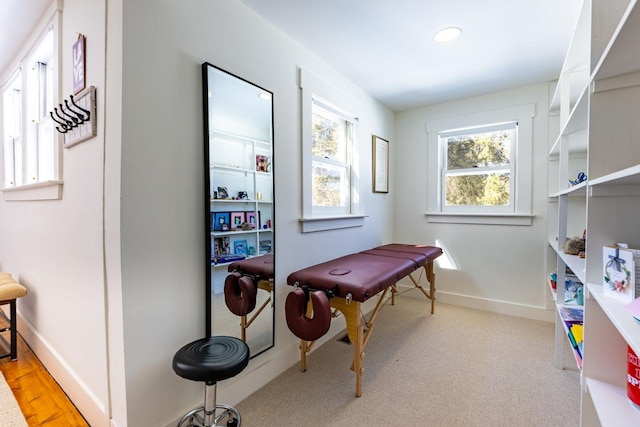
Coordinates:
[522,214]
[311,87]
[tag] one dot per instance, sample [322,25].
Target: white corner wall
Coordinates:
[55,248]
[498,268]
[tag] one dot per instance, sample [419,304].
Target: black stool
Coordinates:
[211,360]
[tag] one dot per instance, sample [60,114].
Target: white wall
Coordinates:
[55,247]
[501,268]
[162,144]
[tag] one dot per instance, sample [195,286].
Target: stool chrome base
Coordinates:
[196,417]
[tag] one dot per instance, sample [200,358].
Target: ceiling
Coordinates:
[17,19]
[386,47]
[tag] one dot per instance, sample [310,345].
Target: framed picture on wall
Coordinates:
[380,165]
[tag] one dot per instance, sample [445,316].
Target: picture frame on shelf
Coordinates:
[262,163]
[221,246]
[237,218]
[619,273]
[265,247]
[240,247]
[223,193]
[220,221]
[250,218]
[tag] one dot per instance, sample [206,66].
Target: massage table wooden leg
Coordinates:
[431,278]
[245,322]
[355,330]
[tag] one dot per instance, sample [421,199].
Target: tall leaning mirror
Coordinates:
[239,215]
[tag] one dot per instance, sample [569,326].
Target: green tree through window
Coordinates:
[478,167]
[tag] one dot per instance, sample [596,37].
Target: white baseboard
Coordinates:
[496,306]
[88,405]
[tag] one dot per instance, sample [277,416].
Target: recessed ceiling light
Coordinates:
[265,96]
[447,34]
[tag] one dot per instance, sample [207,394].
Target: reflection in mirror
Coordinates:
[238,129]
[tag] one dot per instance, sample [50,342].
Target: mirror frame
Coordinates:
[207,205]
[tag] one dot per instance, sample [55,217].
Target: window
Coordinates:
[478,171]
[12,135]
[330,162]
[331,143]
[30,143]
[480,167]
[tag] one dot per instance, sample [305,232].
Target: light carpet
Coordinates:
[458,367]
[10,414]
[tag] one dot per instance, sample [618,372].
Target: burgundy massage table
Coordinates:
[241,286]
[343,284]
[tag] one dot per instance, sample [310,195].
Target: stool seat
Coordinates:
[211,359]
[10,291]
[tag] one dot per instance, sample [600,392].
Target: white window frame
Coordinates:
[444,172]
[38,165]
[521,211]
[314,219]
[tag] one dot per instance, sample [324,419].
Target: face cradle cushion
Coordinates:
[308,328]
[240,294]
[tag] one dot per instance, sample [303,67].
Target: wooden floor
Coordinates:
[41,399]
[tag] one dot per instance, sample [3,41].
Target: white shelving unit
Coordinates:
[247,196]
[599,135]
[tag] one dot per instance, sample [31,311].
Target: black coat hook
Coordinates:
[64,129]
[87,112]
[73,118]
[69,123]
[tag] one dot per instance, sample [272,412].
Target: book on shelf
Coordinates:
[220,259]
[571,315]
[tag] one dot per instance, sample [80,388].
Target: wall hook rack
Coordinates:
[76,117]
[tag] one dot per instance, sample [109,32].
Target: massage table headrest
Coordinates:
[240,294]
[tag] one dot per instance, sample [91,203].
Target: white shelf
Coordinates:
[574,262]
[628,176]
[576,190]
[620,56]
[620,317]
[612,404]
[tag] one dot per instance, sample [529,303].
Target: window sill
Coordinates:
[323,223]
[48,190]
[480,218]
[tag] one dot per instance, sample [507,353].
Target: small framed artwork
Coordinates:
[237,218]
[220,221]
[262,163]
[250,218]
[223,193]
[79,64]
[240,247]
[380,165]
